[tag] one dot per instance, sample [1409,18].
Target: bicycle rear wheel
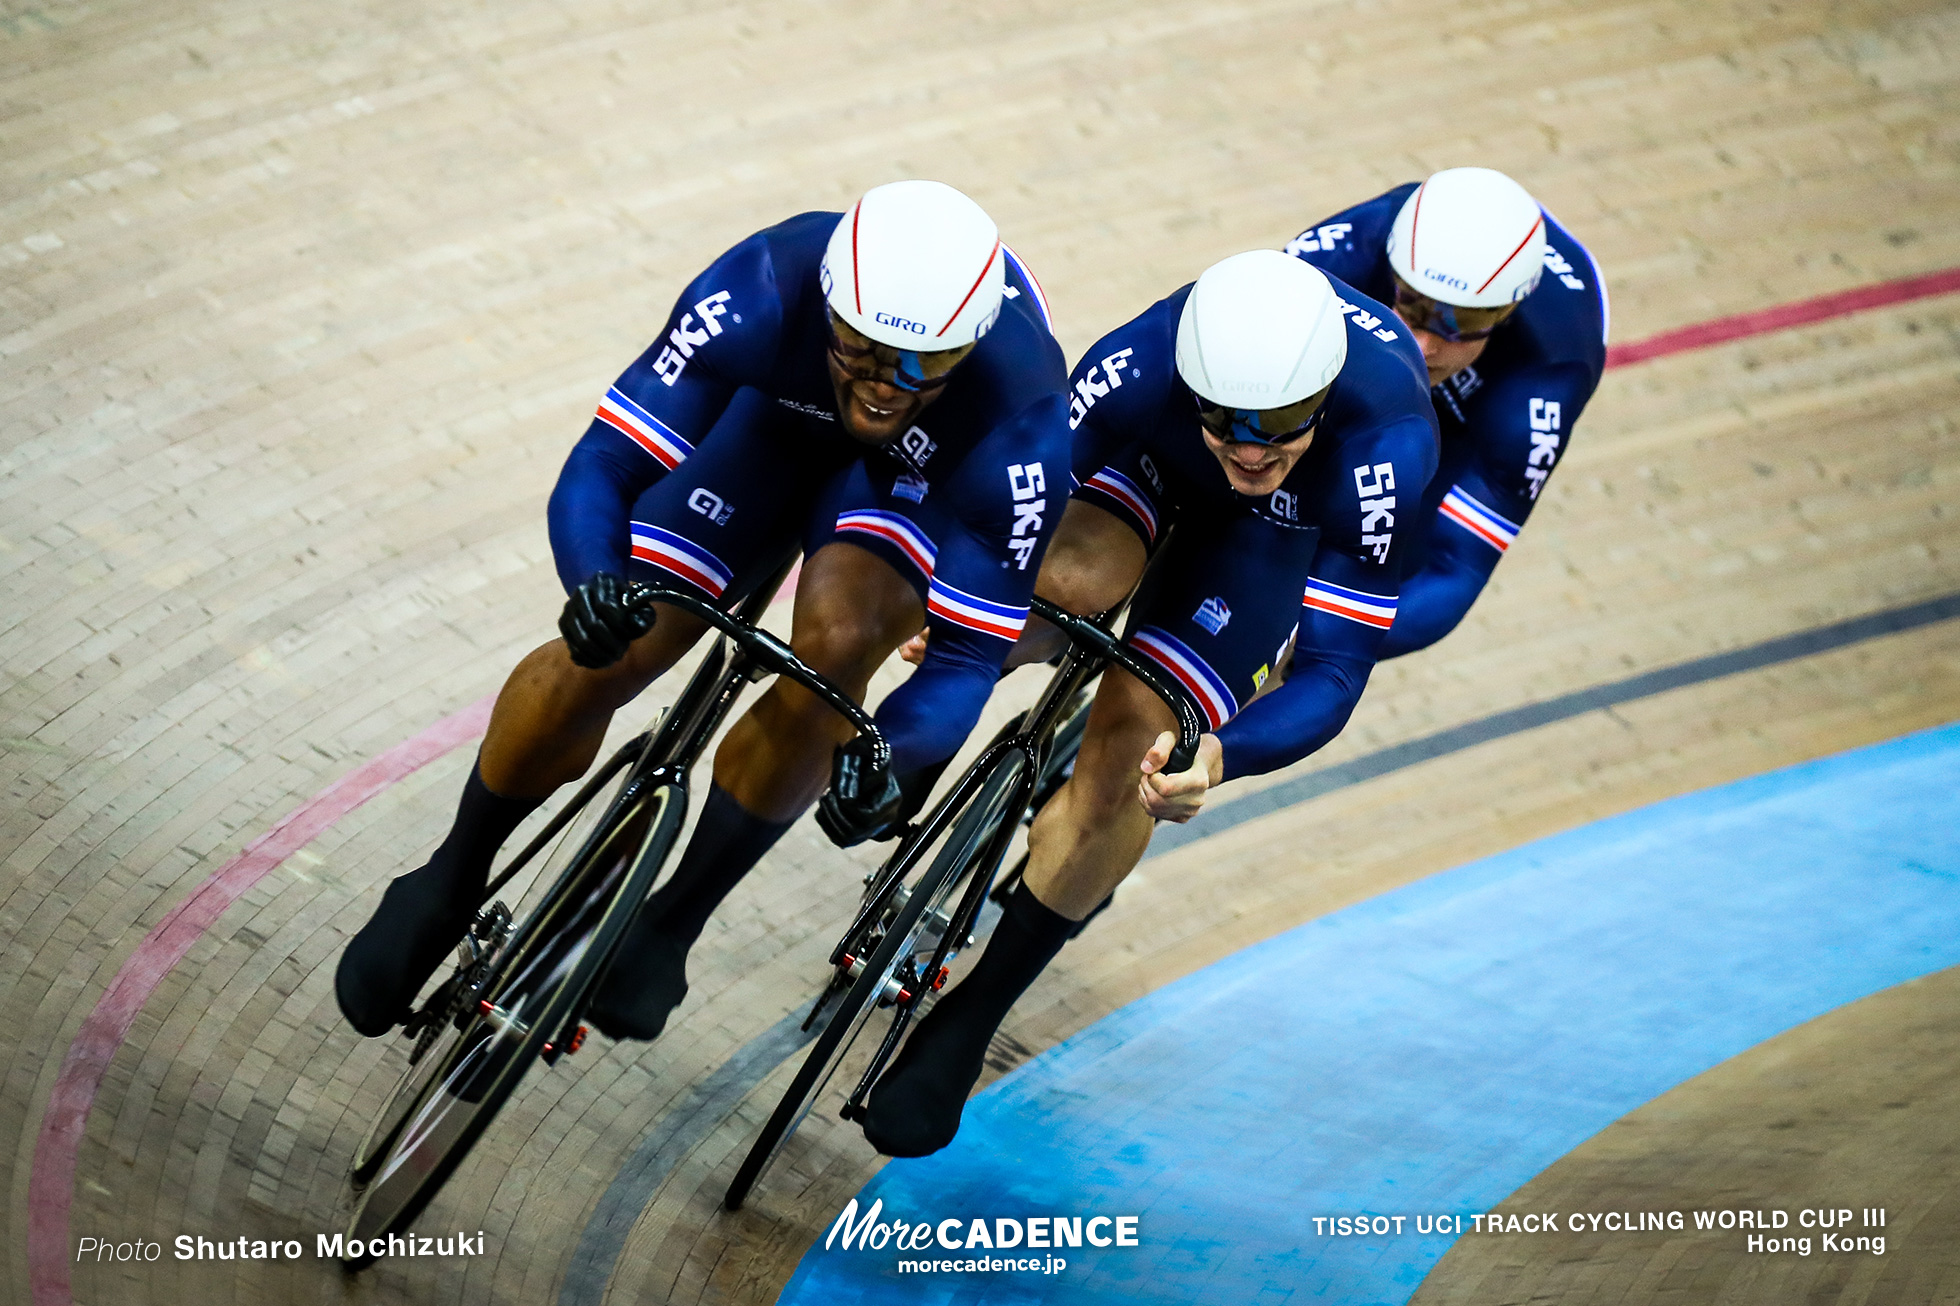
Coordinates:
[469,1060]
[898,962]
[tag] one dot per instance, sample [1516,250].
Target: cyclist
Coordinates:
[881,387]
[1281,418]
[1511,315]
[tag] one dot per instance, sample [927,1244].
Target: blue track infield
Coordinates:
[1431,1050]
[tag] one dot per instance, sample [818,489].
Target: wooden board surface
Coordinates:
[301,307]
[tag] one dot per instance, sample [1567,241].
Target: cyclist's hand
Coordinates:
[863,799]
[1178,797]
[913,650]
[601,619]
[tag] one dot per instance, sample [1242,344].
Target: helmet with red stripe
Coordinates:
[1471,237]
[915,265]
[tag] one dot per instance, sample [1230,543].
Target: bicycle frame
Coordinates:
[1092,648]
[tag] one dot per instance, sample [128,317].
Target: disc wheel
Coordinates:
[468,1061]
[900,948]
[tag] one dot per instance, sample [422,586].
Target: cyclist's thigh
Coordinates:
[719,522]
[1220,607]
[871,554]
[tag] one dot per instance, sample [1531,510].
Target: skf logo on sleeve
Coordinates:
[1377,507]
[685,338]
[1366,321]
[1088,389]
[1318,239]
[1026,483]
[1544,417]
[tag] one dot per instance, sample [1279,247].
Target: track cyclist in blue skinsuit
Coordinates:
[881,387]
[1281,419]
[1511,314]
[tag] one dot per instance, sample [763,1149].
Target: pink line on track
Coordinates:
[52,1185]
[1784,316]
[51,1188]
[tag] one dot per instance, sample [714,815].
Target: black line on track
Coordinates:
[711,1101]
[678,1132]
[1788,648]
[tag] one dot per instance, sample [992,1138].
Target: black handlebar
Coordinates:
[1086,633]
[772,655]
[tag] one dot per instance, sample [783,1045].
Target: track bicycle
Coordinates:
[921,907]
[520,986]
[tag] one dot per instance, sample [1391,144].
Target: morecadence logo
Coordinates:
[978,1239]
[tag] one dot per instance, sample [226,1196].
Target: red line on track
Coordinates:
[1784,316]
[51,1187]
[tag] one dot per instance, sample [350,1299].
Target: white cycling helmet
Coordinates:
[915,265]
[1470,237]
[1261,330]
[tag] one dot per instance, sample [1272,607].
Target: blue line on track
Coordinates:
[1430,1050]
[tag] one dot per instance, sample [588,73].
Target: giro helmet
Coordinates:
[915,265]
[1260,330]
[1470,237]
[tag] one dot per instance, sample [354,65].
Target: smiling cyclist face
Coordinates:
[1258,449]
[881,389]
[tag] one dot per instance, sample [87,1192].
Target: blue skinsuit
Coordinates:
[1506,419]
[720,448]
[1323,553]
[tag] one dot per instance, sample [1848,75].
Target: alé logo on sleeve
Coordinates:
[686,337]
[1089,389]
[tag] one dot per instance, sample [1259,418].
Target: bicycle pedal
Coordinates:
[852,1112]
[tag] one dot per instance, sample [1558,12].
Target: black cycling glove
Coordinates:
[601,620]
[863,799]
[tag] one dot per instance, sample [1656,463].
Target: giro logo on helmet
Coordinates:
[917,328]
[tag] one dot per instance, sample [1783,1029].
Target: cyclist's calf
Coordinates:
[1094,831]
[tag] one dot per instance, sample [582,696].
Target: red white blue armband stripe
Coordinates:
[1376,610]
[896,531]
[1204,685]
[975,613]
[1479,520]
[643,429]
[1127,492]
[681,556]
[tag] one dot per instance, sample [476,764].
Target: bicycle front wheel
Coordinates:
[898,966]
[459,1079]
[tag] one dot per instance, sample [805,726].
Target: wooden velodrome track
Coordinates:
[301,306]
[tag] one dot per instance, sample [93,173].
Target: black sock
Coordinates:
[423,914]
[915,1108]
[728,841]
[461,865]
[648,976]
